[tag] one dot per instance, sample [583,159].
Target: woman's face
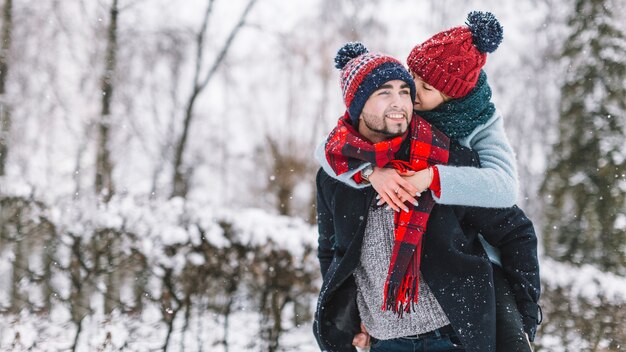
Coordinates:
[426,96]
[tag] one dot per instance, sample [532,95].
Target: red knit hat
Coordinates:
[451,60]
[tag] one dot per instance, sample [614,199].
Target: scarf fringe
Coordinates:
[401,298]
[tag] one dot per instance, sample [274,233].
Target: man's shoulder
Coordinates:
[328,187]
[323,177]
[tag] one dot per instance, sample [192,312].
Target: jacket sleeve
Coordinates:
[495,183]
[513,233]
[325,226]
[346,178]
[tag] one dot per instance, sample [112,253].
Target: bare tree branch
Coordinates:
[228,43]
[200,43]
[180,179]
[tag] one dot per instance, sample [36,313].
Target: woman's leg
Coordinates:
[510,336]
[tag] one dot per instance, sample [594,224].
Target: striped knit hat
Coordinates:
[362,73]
[451,60]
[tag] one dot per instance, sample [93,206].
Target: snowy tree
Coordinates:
[5,118]
[585,182]
[104,165]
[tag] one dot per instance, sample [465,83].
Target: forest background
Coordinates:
[157,178]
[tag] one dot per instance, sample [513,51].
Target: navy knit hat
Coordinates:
[362,73]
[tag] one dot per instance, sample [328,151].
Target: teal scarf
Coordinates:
[457,118]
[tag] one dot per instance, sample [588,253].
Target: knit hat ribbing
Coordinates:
[362,73]
[451,60]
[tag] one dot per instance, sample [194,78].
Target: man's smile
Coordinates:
[396,116]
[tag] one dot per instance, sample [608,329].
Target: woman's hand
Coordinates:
[394,188]
[422,179]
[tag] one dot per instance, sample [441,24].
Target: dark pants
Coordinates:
[510,335]
[445,341]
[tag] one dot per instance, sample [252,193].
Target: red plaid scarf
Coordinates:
[346,149]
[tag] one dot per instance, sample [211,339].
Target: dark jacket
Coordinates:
[453,264]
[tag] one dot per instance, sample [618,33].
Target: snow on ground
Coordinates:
[586,281]
[204,333]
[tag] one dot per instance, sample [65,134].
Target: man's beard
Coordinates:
[379,124]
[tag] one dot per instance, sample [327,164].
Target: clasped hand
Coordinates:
[397,188]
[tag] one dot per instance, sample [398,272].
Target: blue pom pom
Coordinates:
[349,52]
[486,31]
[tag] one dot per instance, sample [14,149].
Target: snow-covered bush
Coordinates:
[583,309]
[135,274]
[145,274]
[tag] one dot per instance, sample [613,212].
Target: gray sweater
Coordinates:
[370,278]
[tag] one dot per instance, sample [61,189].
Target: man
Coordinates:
[418,278]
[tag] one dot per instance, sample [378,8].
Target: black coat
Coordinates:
[454,263]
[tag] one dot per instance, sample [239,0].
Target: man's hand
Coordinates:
[362,339]
[393,188]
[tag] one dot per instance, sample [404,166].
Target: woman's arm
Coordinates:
[495,183]
[348,177]
[385,182]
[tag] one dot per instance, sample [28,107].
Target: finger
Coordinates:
[407,186]
[365,330]
[391,203]
[406,173]
[406,192]
[381,198]
[392,207]
[386,200]
[404,195]
[400,197]
[397,202]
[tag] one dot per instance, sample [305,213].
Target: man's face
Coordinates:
[427,97]
[387,112]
